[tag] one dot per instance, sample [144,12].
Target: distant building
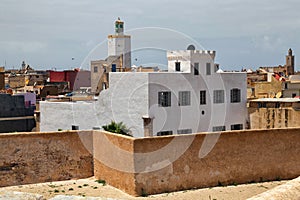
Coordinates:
[287,69]
[76,78]
[262,84]
[15,115]
[118,60]
[100,70]
[269,113]
[291,88]
[16,80]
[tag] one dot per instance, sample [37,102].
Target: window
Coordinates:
[202,97]
[184,131]
[164,99]
[285,86]
[95,69]
[293,95]
[237,127]
[162,133]
[216,67]
[113,67]
[196,68]
[208,69]
[219,128]
[177,66]
[218,96]
[235,95]
[184,98]
[261,105]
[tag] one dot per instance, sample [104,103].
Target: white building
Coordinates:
[193,96]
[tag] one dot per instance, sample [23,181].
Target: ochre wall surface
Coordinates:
[114,161]
[171,163]
[42,157]
[266,118]
[151,165]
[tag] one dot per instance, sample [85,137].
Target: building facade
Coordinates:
[15,115]
[291,88]
[76,78]
[263,85]
[267,113]
[191,97]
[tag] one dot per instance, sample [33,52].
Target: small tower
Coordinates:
[290,63]
[120,44]
[119,27]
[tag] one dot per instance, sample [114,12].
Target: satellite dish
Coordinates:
[191,47]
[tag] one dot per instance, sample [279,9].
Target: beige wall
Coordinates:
[162,164]
[282,117]
[114,161]
[41,157]
[151,165]
[16,81]
[266,89]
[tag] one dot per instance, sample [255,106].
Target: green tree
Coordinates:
[115,127]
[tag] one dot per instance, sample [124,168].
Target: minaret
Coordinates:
[120,44]
[290,63]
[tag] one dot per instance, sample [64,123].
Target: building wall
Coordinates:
[120,45]
[76,78]
[96,74]
[151,165]
[184,57]
[44,157]
[266,89]
[125,101]
[132,96]
[290,89]
[62,115]
[16,81]
[266,118]
[175,163]
[82,79]
[196,117]
[14,116]
[35,79]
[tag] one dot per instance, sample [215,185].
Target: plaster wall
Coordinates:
[197,117]
[120,45]
[125,101]
[172,163]
[44,157]
[266,118]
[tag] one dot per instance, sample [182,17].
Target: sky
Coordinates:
[64,34]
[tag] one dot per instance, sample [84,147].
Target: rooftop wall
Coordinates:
[43,157]
[151,165]
[172,163]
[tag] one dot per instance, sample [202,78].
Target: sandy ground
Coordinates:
[89,187]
